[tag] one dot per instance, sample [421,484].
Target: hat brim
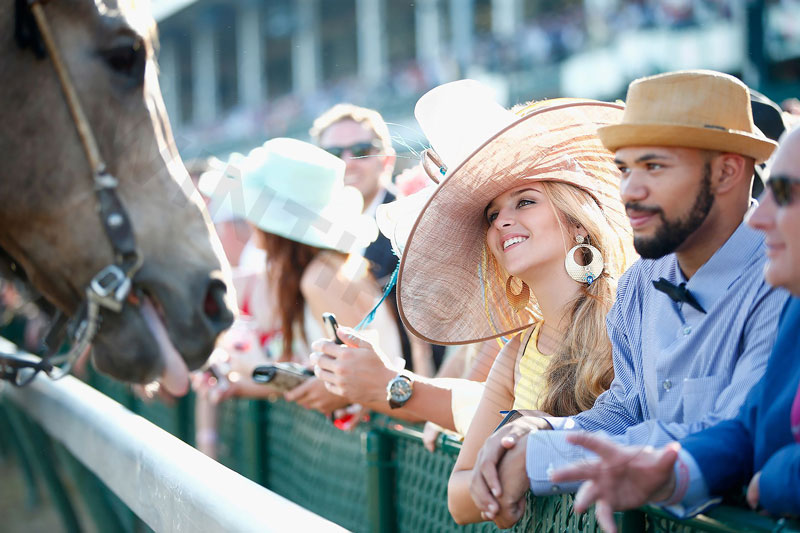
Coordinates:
[441,295]
[339,226]
[621,135]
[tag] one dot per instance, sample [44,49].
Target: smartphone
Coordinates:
[329,319]
[282,376]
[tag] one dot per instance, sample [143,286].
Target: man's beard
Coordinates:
[671,234]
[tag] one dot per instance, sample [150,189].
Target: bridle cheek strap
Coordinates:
[110,287]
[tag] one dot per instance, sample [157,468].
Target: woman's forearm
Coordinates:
[459,500]
[430,402]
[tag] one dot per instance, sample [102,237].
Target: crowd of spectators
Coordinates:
[556,376]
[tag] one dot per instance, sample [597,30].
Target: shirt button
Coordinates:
[687,330]
[667,384]
[554,488]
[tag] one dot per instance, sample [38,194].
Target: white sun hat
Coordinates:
[296,190]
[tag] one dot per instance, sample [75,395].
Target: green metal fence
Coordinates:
[379,477]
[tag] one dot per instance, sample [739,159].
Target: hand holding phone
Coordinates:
[282,376]
[329,319]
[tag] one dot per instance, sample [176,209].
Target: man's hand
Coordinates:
[515,484]
[752,491]
[313,395]
[485,486]
[353,370]
[624,477]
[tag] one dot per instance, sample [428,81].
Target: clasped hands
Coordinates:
[499,484]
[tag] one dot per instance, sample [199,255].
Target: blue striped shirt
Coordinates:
[677,370]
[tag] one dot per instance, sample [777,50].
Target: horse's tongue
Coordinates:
[175,378]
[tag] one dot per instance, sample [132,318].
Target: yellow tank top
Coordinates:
[528,390]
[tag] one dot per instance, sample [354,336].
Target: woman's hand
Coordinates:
[430,434]
[229,370]
[353,370]
[313,395]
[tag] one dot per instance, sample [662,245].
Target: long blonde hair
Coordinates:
[581,368]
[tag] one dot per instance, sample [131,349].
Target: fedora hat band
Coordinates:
[683,136]
[691,108]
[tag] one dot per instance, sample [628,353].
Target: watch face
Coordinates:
[401,390]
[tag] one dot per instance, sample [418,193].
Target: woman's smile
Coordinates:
[512,240]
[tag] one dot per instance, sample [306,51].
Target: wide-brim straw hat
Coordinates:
[690,109]
[296,190]
[449,289]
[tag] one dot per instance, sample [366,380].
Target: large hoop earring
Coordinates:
[518,302]
[584,273]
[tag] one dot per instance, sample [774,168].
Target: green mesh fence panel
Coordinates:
[421,489]
[421,498]
[239,426]
[314,464]
[553,514]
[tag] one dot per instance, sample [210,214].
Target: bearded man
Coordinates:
[694,320]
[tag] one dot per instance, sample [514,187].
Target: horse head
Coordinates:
[49,220]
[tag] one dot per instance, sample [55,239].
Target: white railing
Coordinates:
[171,486]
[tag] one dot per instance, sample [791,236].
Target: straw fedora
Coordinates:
[296,190]
[448,293]
[691,109]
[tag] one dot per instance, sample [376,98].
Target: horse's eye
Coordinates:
[127,60]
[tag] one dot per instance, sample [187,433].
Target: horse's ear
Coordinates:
[26,31]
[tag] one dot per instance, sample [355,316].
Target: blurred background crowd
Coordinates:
[234,73]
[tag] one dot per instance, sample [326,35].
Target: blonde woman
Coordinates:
[522,241]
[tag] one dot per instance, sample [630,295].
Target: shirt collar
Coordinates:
[727,265]
[373,205]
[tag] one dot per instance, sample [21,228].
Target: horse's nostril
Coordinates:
[211,305]
[214,306]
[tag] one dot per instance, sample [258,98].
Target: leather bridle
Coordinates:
[110,288]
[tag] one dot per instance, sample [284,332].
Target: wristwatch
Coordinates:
[399,390]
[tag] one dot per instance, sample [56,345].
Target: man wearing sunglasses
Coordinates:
[694,321]
[361,137]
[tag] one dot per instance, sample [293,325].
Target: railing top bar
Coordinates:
[410,431]
[167,483]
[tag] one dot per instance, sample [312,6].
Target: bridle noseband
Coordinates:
[111,287]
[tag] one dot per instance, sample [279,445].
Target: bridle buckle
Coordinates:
[110,287]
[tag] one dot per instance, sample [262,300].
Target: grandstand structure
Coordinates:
[236,72]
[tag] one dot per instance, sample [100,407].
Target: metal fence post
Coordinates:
[378,449]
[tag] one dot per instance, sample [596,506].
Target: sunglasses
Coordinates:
[356,150]
[781,188]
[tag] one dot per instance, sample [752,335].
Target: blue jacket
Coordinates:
[760,439]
